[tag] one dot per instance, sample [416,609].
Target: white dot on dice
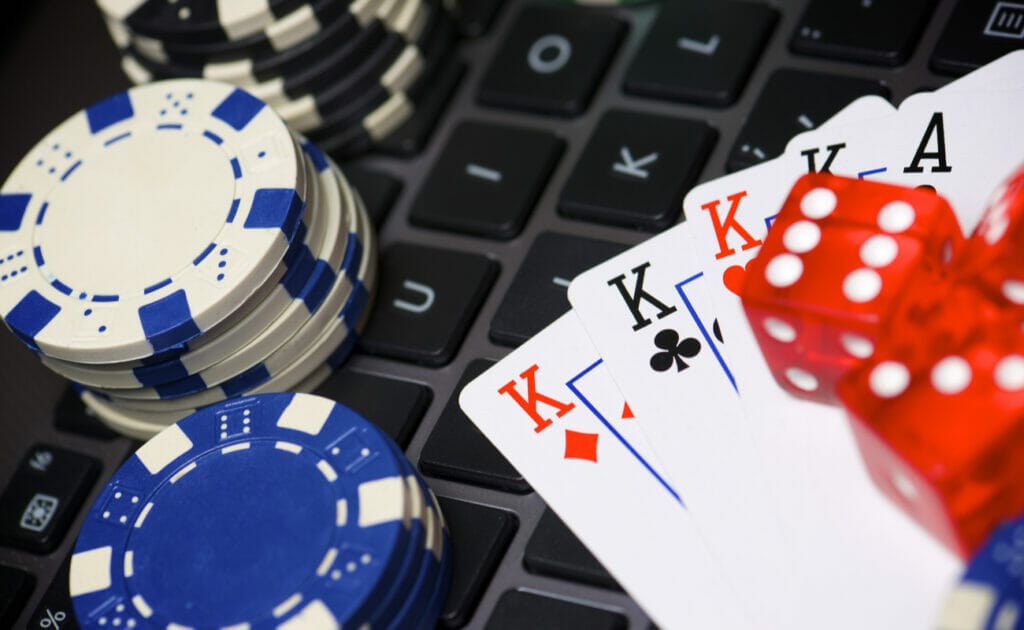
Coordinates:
[879,250]
[896,217]
[1009,373]
[857,346]
[1013,290]
[801,379]
[889,379]
[801,237]
[951,375]
[818,203]
[779,330]
[862,285]
[783,270]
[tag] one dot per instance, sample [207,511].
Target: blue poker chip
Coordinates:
[439,595]
[278,510]
[423,604]
[401,587]
[990,595]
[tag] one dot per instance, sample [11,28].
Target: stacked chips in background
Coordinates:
[176,245]
[348,73]
[277,510]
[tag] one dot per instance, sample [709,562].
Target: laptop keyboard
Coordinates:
[505,185]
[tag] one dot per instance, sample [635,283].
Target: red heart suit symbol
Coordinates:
[733,277]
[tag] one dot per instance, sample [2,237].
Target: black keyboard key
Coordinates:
[474,17]
[412,136]
[487,180]
[456,449]
[480,535]
[426,300]
[15,588]
[792,102]
[635,170]
[55,606]
[551,60]
[43,497]
[537,295]
[518,609]
[881,33]
[395,406]
[701,52]
[73,416]
[554,550]
[978,31]
[377,190]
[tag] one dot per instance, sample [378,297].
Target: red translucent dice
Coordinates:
[993,257]
[941,438]
[838,258]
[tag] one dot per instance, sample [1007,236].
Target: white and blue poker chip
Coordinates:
[253,338]
[990,595]
[145,220]
[279,510]
[324,343]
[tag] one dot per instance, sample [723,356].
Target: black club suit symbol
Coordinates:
[673,351]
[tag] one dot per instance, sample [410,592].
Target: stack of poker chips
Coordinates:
[348,73]
[176,245]
[270,511]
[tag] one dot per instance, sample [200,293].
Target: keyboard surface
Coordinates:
[504,186]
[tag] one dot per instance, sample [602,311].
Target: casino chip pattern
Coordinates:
[270,511]
[177,246]
[348,73]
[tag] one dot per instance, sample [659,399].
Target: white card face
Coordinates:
[648,315]
[835,514]
[555,413]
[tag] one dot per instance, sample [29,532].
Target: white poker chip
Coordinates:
[321,288]
[146,219]
[327,339]
[262,329]
[336,322]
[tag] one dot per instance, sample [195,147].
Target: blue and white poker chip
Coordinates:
[252,338]
[113,264]
[990,595]
[328,327]
[281,510]
[303,369]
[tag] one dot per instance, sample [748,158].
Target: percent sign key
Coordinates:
[55,620]
[54,609]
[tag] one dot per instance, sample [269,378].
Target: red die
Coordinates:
[991,257]
[940,439]
[838,255]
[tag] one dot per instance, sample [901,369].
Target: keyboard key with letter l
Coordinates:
[701,52]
